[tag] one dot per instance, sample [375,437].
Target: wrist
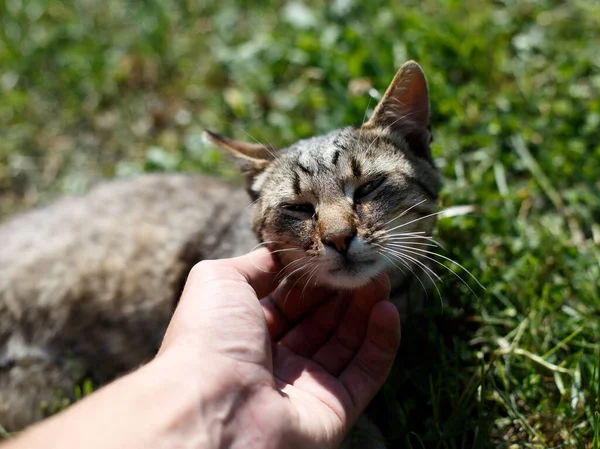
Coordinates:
[222,403]
[153,407]
[212,403]
[194,404]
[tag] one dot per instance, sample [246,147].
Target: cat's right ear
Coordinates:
[250,158]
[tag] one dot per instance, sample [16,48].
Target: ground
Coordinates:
[92,90]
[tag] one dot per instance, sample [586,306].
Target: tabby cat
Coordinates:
[88,284]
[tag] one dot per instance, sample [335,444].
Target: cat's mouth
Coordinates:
[331,268]
[352,272]
[348,265]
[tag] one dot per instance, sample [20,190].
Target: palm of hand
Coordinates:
[308,361]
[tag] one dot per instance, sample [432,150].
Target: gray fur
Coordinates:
[88,284]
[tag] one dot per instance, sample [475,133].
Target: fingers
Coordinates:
[277,322]
[257,268]
[310,333]
[339,350]
[346,314]
[286,305]
[368,370]
[296,301]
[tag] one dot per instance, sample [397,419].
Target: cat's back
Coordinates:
[151,220]
[145,200]
[88,283]
[114,258]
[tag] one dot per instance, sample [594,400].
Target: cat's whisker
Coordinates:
[415,220]
[273,146]
[318,278]
[418,278]
[400,235]
[265,147]
[283,250]
[451,261]
[377,280]
[255,248]
[399,259]
[426,270]
[303,259]
[414,238]
[382,253]
[403,239]
[313,272]
[405,212]
[252,204]
[423,252]
[406,237]
[413,259]
[282,272]
[394,243]
[392,262]
[401,256]
[285,276]
[264,244]
[286,272]
[405,233]
[297,280]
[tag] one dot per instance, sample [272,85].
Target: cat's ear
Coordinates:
[250,158]
[404,108]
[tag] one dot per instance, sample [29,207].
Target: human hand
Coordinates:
[293,370]
[297,368]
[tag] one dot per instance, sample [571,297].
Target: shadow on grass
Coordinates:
[431,396]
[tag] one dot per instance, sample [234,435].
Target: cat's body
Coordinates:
[87,285]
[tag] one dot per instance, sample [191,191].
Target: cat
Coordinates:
[337,199]
[88,284]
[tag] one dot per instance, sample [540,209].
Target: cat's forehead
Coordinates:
[329,165]
[317,154]
[341,151]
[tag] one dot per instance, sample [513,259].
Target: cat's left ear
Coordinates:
[404,109]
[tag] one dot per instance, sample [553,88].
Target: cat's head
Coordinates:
[338,209]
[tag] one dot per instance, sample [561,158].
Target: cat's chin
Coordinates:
[348,282]
[351,279]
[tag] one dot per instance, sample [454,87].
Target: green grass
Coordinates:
[99,89]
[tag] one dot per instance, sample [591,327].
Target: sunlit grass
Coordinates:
[100,89]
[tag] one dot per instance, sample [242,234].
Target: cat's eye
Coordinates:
[300,208]
[367,188]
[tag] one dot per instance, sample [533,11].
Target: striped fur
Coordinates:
[314,189]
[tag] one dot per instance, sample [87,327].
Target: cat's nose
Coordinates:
[339,240]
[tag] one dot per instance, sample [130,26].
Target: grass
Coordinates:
[100,89]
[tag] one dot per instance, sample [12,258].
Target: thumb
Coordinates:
[219,303]
[257,268]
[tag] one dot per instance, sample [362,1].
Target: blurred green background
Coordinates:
[96,89]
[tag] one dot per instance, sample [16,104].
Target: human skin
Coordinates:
[292,370]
